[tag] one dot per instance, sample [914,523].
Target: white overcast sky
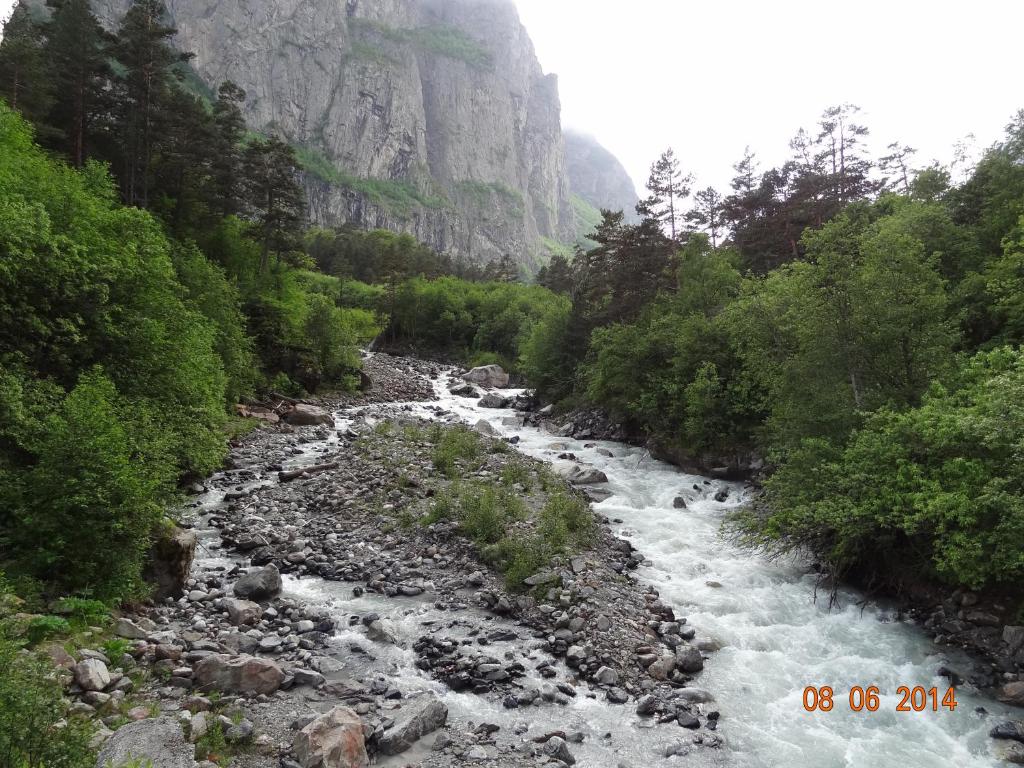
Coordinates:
[710,77]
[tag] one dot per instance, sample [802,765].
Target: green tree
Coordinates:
[669,187]
[25,78]
[275,199]
[78,51]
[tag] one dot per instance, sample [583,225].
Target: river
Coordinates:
[775,638]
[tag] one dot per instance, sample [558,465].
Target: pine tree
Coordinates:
[143,48]
[708,214]
[25,80]
[226,149]
[78,49]
[668,187]
[275,199]
[896,167]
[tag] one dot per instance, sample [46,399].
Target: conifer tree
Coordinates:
[275,200]
[668,187]
[25,81]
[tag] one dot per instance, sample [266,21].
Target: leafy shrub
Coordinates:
[86,511]
[41,628]
[31,708]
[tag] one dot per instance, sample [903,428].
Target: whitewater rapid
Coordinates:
[775,638]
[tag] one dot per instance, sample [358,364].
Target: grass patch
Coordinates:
[399,197]
[483,193]
[441,40]
[452,445]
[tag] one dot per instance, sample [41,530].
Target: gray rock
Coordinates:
[586,476]
[333,740]
[1012,730]
[1013,636]
[679,502]
[129,630]
[160,741]
[662,668]
[1012,693]
[238,674]
[492,400]
[646,705]
[242,611]
[557,748]
[92,675]
[606,676]
[694,695]
[689,660]
[484,427]
[303,415]
[259,584]
[413,722]
[487,376]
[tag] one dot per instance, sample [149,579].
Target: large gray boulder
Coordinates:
[242,611]
[413,722]
[333,740]
[689,660]
[493,400]
[259,584]
[238,674]
[170,562]
[92,675]
[302,415]
[159,741]
[487,376]
[586,476]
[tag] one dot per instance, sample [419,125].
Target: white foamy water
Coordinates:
[775,638]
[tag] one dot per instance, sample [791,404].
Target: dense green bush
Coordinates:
[936,490]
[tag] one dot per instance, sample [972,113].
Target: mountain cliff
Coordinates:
[431,117]
[597,176]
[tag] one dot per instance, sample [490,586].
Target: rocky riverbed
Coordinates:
[338,615]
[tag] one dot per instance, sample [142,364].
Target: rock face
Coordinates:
[415,722]
[334,740]
[441,103]
[596,175]
[170,562]
[238,674]
[158,742]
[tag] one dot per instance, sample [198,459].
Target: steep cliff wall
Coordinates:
[426,116]
[596,175]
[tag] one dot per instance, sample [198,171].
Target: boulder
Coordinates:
[464,390]
[1012,693]
[606,676]
[259,584]
[302,415]
[586,476]
[333,740]
[557,748]
[170,562]
[679,502]
[158,742]
[242,611]
[487,376]
[413,722]
[492,400]
[92,675]
[1010,730]
[238,674]
[689,660]
[129,630]
[484,427]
